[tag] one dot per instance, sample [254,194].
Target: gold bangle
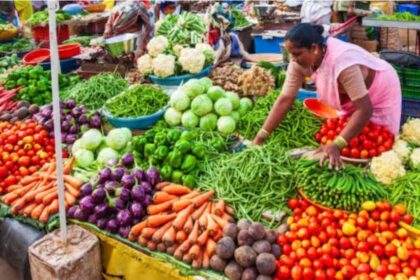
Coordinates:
[340,142]
[263,133]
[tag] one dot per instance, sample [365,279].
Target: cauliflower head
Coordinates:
[411,131]
[204,47]
[157,45]
[164,65]
[387,167]
[144,64]
[177,49]
[402,149]
[192,60]
[415,159]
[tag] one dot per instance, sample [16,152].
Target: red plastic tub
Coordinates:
[68,50]
[41,34]
[36,56]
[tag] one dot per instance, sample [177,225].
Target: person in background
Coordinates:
[39,5]
[8,12]
[341,9]
[24,9]
[348,79]
[317,12]
[166,7]
[130,17]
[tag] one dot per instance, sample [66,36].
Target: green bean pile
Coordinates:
[406,190]
[94,92]
[346,189]
[252,181]
[138,101]
[297,129]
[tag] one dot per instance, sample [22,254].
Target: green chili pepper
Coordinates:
[149,149]
[183,146]
[189,163]
[161,152]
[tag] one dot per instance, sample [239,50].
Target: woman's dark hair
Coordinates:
[303,35]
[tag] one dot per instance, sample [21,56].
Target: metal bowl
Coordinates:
[121,44]
[264,10]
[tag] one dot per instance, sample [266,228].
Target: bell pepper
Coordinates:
[161,152]
[160,138]
[173,135]
[166,172]
[218,144]
[188,180]
[154,161]
[183,146]
[199,151]
[189,163]
[177,176]
[139,142]
[189,135]
[149,149]
[175,158]
[150,135]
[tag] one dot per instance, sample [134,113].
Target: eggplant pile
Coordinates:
[117,200]
[74,120]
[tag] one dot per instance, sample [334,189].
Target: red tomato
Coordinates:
[394,269]
[331,232]
[348,271]
[363,268]
[414,263]
[361,221]
[296,272]
[320,275]
[390,250]
[317,264]
[345,243]
[362,138]
[364,154]
[372,153]
[293,203]
[283,272]
[354,143]
[322,237]
[327,260]
[380,150]
[383,226]
[286,261]
[3,171]
[355,153]
[367,144]
[24,161]
[330,273]
[400,208]
[308,273]
[363,246]
[318,137]
[407,218]
[384,216]
[324,140]
[311,253]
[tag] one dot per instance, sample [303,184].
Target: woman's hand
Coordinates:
[331,153]
[258,140]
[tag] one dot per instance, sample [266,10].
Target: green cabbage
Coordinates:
[206,82]
[84,158]
[107,155]
[189,119]
[208,122]
[116,139]
[127,133]
[201,105]
[77,145]
[245,105]
[193,88]
[91,139]
[226,125]
[172,117]
[179,101]
[223,106]
[234,98]
[215,92]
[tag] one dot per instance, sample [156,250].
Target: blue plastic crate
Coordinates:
[303,94]
[411,8]
[410,109]
[66,65]
[268,44]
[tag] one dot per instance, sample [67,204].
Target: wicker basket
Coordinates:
[8,35]
[95,8]
[369,45]
[390,39]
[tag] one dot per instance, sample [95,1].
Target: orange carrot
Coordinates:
[30,196]
[169,237]
[211,225]
[197,260]
[48,173]
[161,247]
[50,197]
[181,236]
[194,251]
[190,195]
[157,236]
[221,222]
[53,206]
[199,212]
[160,197]
[184,247]
[187,259]
[45,215]
[181,204]
[73,191]
[219,208]
[210,247]
[176,189]
[73,181]
[151,245]
[227,217]
[40,196]
[202,198]
[154,209]
[171,250]
[206,260]
[69,165]
[9,198]
[202,221]
[158,220]
[188,225]
[218,235]
[135,230]
[28,179]
[21,192]
[71,200]
[192,237]
[18,205]
[182,216]
[202,239]
[161,185]
[229,210]
[37,211]
[178,255]
[13,188]
[29,208]
[148,232]
[142,241]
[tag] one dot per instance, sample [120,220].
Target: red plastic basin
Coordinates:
[320,109]
[68,50]
[36,56]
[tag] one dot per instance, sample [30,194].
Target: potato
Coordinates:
[245,256]
[261,246]
[217,263]
[257,231]
[276,250]
[249,273]
[271,236]
[225,247]
[264,277]
[243,224]
[244,238]
[282,228]
[231,230]
[233,271]
[266,263]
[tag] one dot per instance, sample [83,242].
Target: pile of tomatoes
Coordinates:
[373,141]
[336,245]
[24,148]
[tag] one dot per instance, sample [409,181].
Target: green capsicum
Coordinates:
[218,145]
[199,150]
[150,135]
[175,158]
[177,176]
[173,136]
[166,172]
[160,138]
[154,160]
[189,135]
[149,149]
[184,146]
[139,142]
[161,152]
[189,163]
[188,180]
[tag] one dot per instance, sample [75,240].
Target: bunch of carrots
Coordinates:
[36,195]
[183,223]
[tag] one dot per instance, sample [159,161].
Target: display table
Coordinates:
[414,25]
[91,23]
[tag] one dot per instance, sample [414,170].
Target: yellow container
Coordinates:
[8,35]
